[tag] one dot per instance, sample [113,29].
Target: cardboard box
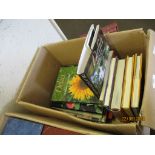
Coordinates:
[41,76]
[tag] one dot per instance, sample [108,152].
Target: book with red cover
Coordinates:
[113,27]
[50,130]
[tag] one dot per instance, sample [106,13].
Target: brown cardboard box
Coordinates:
[41,76]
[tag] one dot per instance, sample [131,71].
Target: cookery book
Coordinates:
[72,93]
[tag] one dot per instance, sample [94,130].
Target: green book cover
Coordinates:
[72,93]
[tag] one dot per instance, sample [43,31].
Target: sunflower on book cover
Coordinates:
[79,90]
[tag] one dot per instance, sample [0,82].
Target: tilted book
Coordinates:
[72,93]
[91,67]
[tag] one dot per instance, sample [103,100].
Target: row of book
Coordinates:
[16,126]
[124,86]
[101,83]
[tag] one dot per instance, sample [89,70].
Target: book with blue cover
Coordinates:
[16,126]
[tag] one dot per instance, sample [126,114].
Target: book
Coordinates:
[91,67]
[105,81]
[85,115]
[127,87]
[78,106]
[89,38]
[72,93]
[16,126]
[112,27]
[50,130]
[110,87]
[137,75]
[118,88]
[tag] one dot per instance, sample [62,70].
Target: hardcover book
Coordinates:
[16,126]
[72,93]
[91,67]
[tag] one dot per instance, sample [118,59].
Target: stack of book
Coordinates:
[124,86]
[101,84]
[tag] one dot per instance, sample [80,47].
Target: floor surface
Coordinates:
[19,40]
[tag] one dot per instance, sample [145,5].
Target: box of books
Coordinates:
[117,75]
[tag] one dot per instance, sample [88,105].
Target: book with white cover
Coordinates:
[91,67]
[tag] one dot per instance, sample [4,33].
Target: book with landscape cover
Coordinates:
[72,93]
[91,67]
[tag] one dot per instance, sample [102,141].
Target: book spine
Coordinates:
[128,112]
[89,84]
[113,81]
[84,115]
[83,107]
[136,111]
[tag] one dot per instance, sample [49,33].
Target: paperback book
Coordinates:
[72,93]
[91,67]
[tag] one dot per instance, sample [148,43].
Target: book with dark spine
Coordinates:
[91,67]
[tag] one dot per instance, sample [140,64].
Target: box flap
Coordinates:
[148,102]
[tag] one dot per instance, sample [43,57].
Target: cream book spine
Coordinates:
[111,79]
[105,82]
[127,87]
[135,100]
[118,87]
